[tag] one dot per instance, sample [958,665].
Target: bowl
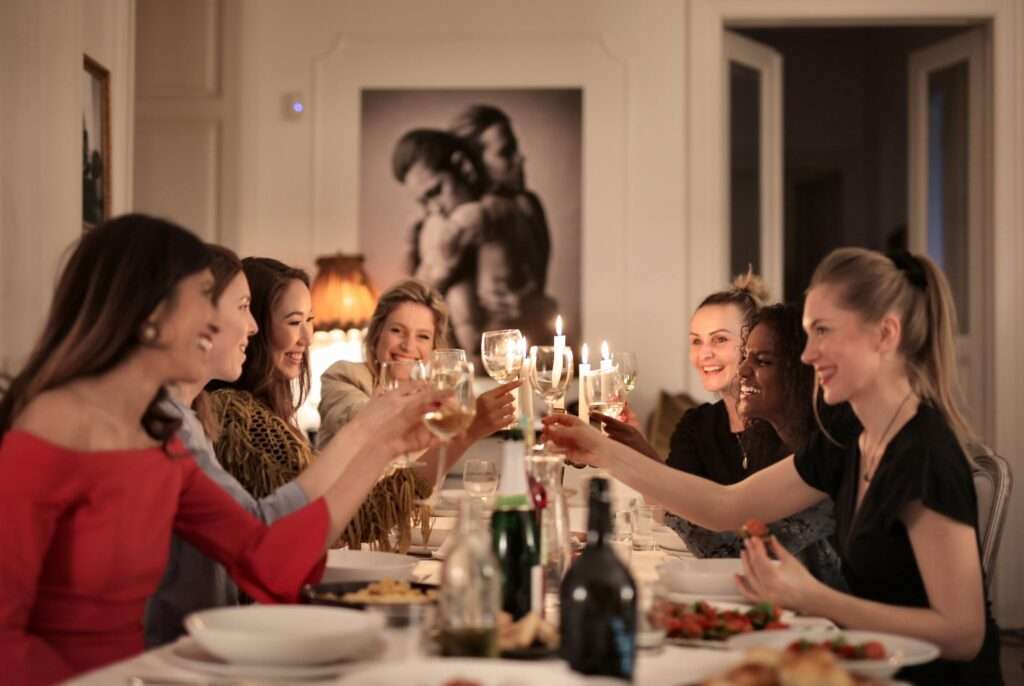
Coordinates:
[714,576]
[367,565]
[284,634]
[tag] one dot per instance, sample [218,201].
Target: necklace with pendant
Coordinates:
[743,450]
[869,473]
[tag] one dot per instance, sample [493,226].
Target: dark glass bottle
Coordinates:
[599,601]
[515,536]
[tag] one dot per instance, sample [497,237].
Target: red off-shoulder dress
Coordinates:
[84,539]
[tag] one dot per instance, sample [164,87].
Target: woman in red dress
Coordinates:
[95,483]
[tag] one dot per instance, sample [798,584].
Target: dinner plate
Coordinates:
[188,654]
[437,672]
[367,565]
[901,651]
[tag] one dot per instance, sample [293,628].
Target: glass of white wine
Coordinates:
[502,354]
[543,362]
[605,392]
[628,367]
[447,357]
[479,478]
[455,414]
[403,376]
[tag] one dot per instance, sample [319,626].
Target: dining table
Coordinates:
[664,665]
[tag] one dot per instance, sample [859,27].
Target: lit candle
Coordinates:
[556,365]
[526,399]
[584,370]
[606,357]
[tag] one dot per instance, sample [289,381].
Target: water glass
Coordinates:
[621,539]
[407,629]
[479,478]
[643,527]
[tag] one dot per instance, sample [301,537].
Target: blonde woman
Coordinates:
[880,337]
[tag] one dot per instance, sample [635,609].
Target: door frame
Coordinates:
[707,257]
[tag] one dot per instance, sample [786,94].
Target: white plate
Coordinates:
[367,565]
[796,623]
[900,650]
[711,577]
[284,634]
[188,654]
[437,672]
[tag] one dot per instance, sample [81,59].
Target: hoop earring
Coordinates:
[149,333]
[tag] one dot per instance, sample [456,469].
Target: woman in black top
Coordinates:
[880,337]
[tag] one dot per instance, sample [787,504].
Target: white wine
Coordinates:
[542,380]
[629,381]
[503,369]
[446,422]
[610,409]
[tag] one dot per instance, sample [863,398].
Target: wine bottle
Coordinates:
[515,536]
[598,600]
[470,589]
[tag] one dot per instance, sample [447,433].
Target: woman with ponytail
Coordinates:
[880,338]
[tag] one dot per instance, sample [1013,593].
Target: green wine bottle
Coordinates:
[515,536]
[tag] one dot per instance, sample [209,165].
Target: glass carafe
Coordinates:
[470,588]
[552,507]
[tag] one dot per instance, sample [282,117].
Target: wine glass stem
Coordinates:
[441,458]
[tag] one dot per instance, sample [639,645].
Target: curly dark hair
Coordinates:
[785,319]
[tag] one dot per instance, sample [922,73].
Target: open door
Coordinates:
[948,133]
[753,109]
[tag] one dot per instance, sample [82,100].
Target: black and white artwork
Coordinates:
[478,193]
[95,143]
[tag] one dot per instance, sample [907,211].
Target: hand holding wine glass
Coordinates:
[403,377]
[628,367]
[455,413]
[605,392]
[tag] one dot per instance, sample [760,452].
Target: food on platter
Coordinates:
[529,631]
[842,648]
[772,667]
[387,592]
[704,621]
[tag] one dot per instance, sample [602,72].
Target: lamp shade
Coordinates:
[342,295]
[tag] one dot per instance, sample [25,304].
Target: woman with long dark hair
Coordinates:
[95,480]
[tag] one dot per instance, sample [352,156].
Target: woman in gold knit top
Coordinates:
[409,323]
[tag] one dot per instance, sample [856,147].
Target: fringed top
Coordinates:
[264,452]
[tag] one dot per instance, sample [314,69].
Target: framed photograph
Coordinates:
[95,143]
[477,192]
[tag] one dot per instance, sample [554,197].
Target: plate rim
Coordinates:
[216,666]
[861,635]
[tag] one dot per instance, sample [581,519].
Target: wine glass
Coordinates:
[605,392]
[628,367]
[543,359]
[446,357]
[479,478]
[455,414]
[403,376]
[502,354]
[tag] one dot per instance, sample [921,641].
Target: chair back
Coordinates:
[992,483]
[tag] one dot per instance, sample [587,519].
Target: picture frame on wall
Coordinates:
[95,143]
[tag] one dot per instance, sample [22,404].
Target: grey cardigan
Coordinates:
[193,581]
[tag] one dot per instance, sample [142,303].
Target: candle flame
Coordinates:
[605,355]
[585,354]
[558,325]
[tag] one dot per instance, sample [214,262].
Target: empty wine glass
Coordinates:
[544,363]
[628,367]
[479,478]
[403,376]
[455,414]
[502,354]
[605,392]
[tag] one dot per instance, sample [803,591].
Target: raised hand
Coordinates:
[400,418]
[787,583]
[626,434]
[584,445]
[495,410]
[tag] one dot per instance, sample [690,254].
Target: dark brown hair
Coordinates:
[115,277]
[268,279]
[915,289]
[408,291]
[225,265]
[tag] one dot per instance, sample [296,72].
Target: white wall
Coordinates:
[41,47]
[633,251]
